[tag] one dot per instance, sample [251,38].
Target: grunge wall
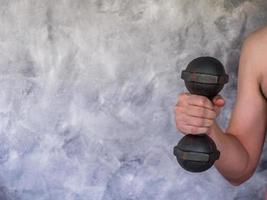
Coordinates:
[87,91]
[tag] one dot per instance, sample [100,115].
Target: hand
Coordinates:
[195,114]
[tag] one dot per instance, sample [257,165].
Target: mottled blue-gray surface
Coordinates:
[87,91]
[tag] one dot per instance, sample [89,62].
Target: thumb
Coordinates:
[218,101]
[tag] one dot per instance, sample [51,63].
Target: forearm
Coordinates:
[234,158]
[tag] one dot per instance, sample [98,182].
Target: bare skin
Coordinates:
[241,145]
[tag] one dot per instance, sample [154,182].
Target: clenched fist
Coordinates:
[195,114]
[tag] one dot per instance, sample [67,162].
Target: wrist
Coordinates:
[214,131]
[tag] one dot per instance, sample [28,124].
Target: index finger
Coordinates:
[201,101]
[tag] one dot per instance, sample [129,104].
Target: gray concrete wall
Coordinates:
[87,90]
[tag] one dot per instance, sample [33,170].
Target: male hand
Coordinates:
[195,114]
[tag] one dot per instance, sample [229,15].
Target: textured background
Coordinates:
[87,91]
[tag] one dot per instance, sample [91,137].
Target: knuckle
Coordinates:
[178,109]
[182,97]
[206,101]
[202,101]
[179,114]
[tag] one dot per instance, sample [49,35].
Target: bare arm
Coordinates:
[242,145]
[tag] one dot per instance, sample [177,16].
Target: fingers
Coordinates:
[195,100]
[192,125]
[196,114]
[187,129]
[197,121]
[196,111]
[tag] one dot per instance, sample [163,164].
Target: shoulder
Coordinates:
[253,62]
[257,40]
[254,53]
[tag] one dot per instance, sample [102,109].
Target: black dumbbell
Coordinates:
[203,76]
